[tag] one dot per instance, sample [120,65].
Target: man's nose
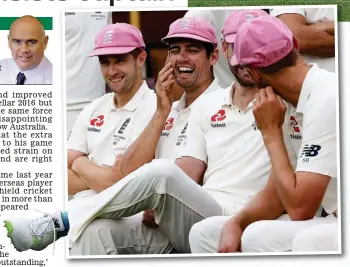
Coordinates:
[113,69]
[183,55]
[24,47]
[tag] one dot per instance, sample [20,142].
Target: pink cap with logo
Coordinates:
[262,42]
[192,28]
[238,18]
[119,38]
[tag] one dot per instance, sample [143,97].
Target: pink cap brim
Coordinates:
[111,51]
[230,38]
[189,36]
[234,61]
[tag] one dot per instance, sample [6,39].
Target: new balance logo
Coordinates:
[123,127]
[310,151]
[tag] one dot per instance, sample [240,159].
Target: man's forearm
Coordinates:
[266,205]
[313,39]
[285,179]
[315,42]
[143,149]
[75,184]
[95,177]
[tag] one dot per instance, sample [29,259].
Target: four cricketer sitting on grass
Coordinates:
[213,172]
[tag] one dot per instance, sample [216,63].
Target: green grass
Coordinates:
[343,5]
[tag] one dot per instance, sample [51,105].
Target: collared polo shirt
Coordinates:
[42,74]
[102,131]
[174,132]
[229,142]
[312,130]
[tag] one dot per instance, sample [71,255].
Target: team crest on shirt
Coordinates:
[217,118]
[120,134]
[124,125]
[181,139]
[96,123]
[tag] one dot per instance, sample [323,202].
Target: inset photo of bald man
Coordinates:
[25,62]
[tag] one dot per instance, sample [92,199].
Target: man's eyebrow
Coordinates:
[28,40]
[194,46]
[173,46]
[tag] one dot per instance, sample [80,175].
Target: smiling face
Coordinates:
[27,42]
[121,72]
[191,64]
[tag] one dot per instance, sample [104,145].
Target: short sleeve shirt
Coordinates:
[102,131]
[174,132]
[312,129]
[229,142]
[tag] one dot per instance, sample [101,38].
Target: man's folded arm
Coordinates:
[75,184]
[313,39]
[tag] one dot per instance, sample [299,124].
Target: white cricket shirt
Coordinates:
[102,131]
[312,130]
[228,141]
[173,134]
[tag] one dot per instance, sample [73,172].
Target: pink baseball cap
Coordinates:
[192,28]
[238,18]
[119,38]
[262,42]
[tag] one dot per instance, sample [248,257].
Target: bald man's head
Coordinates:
[27,42]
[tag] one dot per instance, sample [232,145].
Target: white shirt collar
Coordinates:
[135,101]
[33,74]
[229,96]
[180,105]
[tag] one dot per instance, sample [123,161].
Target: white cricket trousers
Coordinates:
[178,203]
[262,236]
[323,237]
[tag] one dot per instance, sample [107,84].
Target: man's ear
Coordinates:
[141,59]
[214,57]
[224,46]
[46,41]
